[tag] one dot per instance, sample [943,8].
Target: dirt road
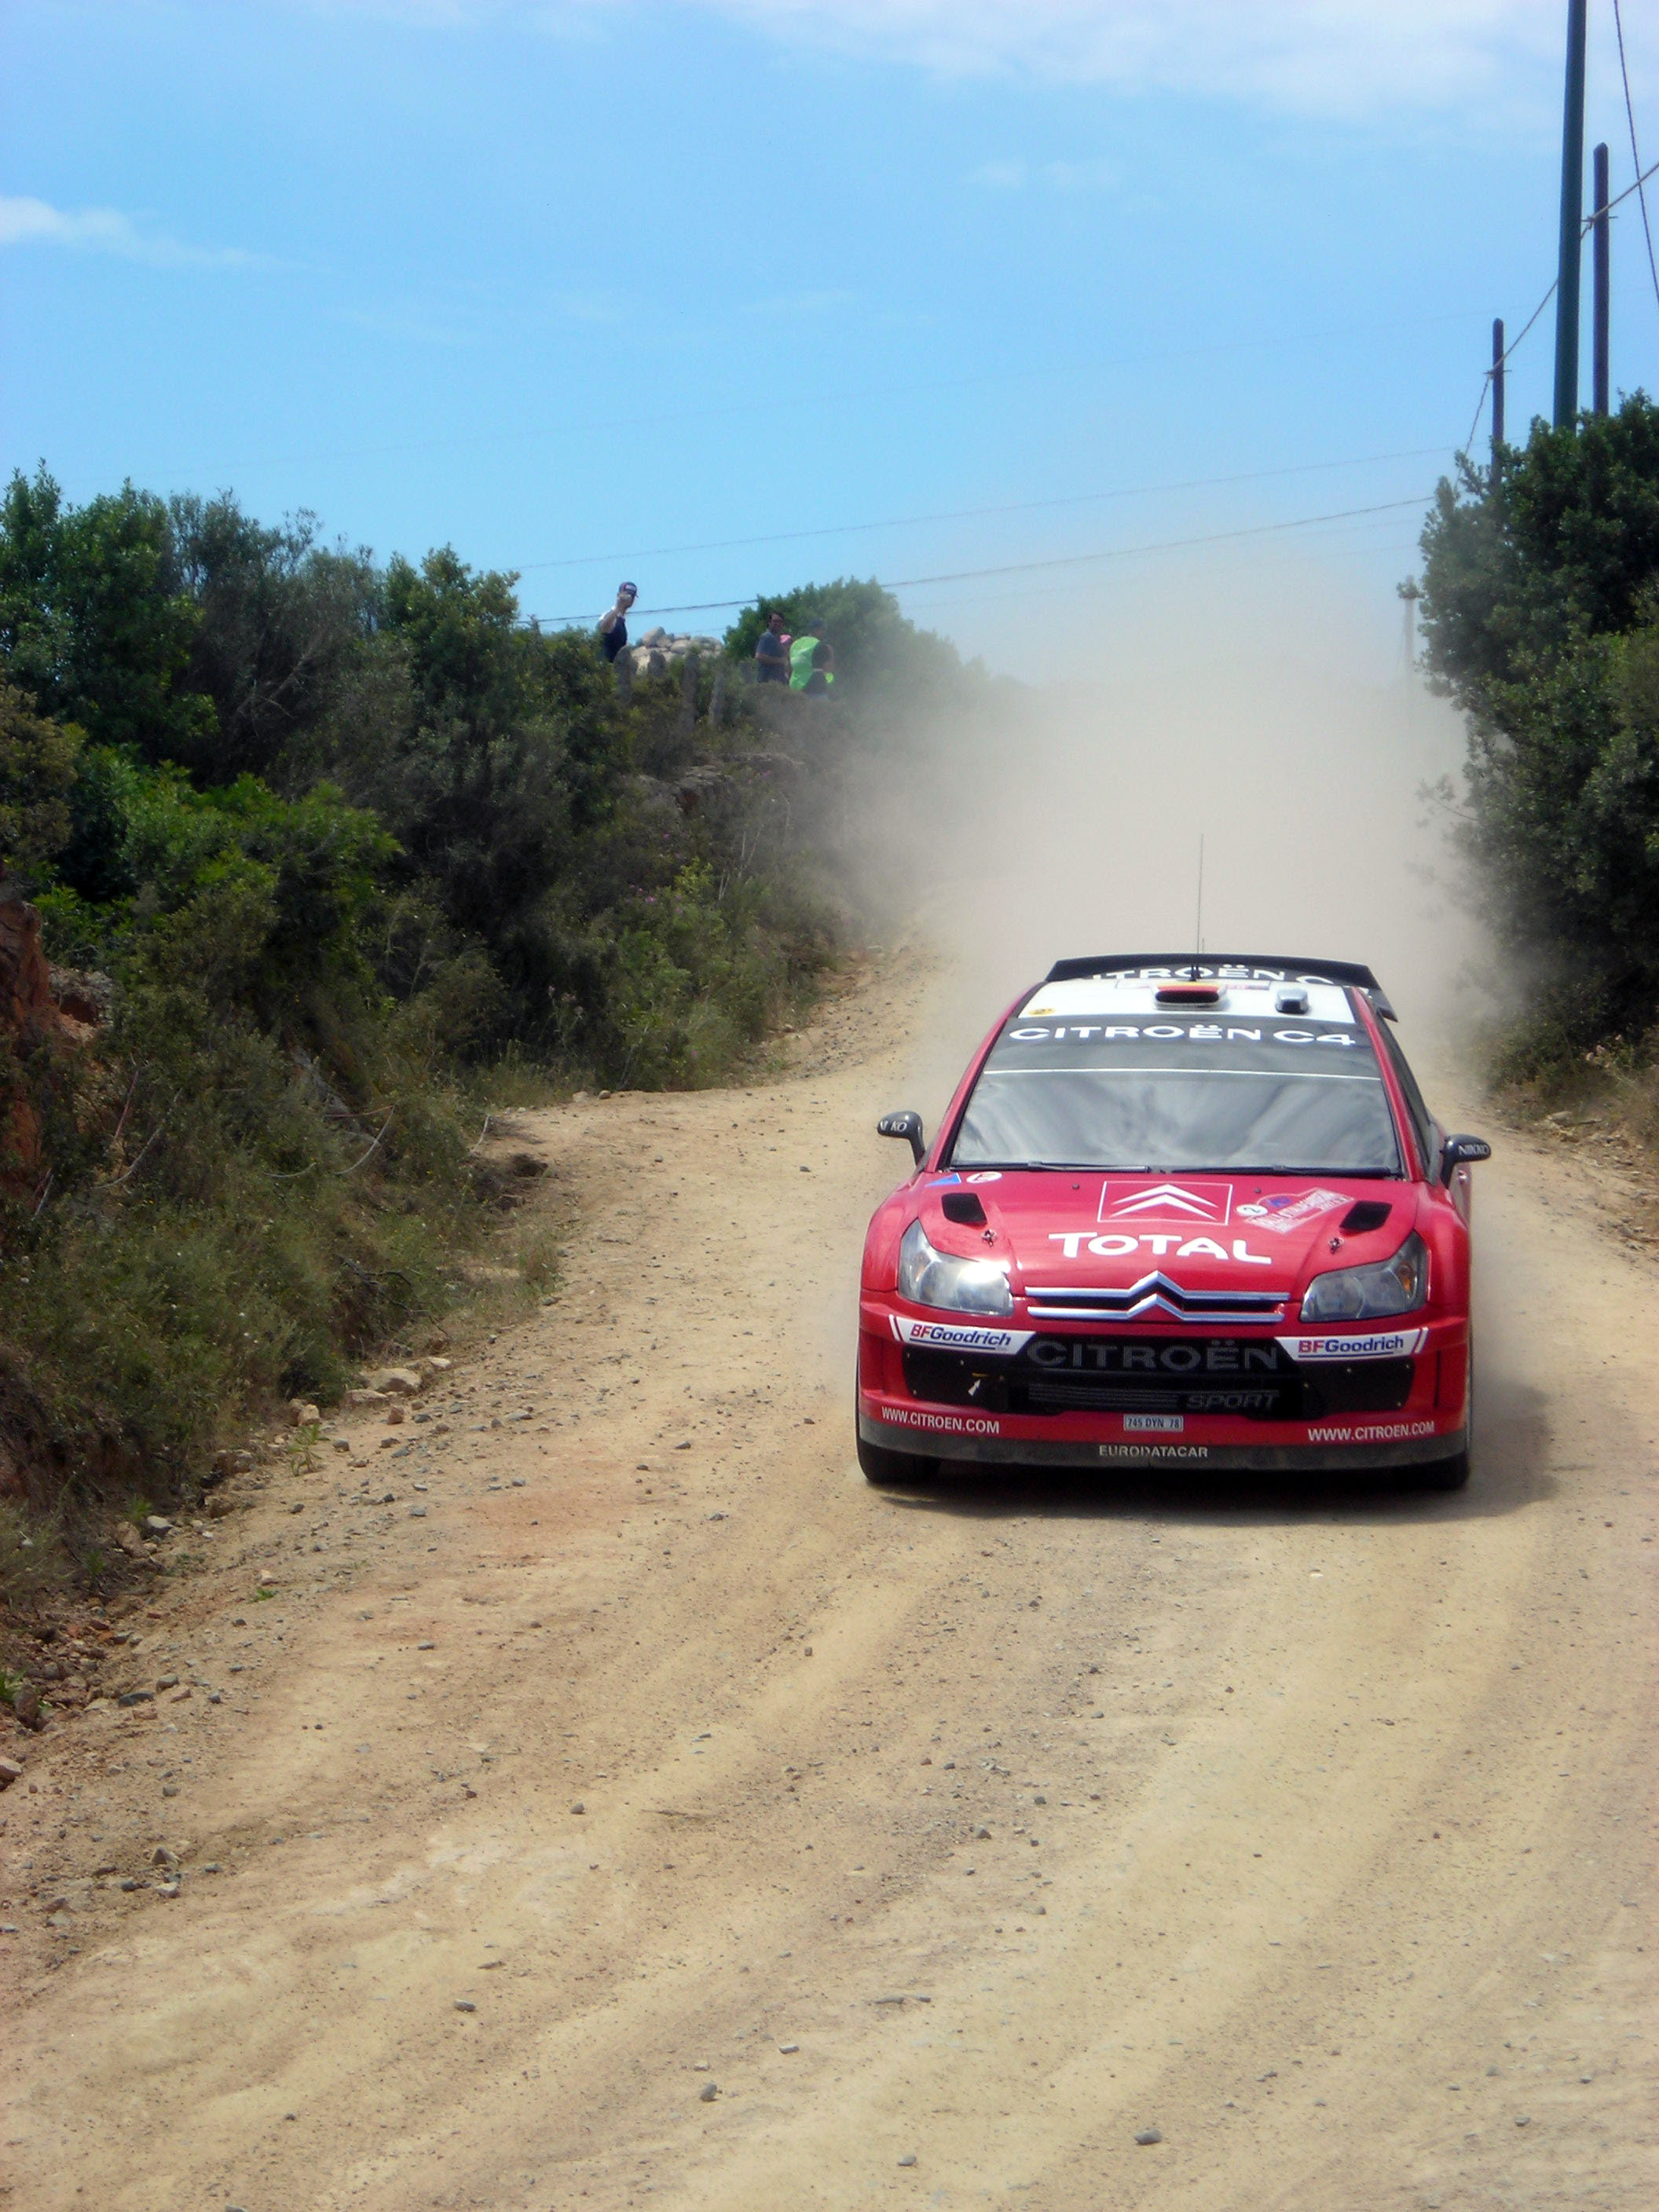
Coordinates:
[631,1807]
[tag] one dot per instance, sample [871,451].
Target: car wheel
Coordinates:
[890,1468]
[894,1469]
[1447,1473]
[1453,1473]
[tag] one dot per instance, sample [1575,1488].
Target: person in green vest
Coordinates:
[811,661]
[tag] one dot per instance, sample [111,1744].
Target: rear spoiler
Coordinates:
[1260,967]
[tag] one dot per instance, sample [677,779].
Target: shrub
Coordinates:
[343,839]
[38,760]
[1541,621]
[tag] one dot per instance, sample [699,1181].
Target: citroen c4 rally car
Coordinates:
[1177,1211]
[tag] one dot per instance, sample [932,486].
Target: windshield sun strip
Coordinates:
[1248,1075]
[1165,1168]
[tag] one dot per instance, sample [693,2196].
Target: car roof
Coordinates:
[1243,967]
[1135,998]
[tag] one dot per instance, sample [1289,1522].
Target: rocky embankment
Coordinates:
[44,1011]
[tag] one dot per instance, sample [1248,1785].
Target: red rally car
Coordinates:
[1176,1211]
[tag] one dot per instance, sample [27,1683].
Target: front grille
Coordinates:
[1248,1377]
[1264,1402]
[1153,1294]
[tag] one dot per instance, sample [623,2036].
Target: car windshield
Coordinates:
[1153,1093]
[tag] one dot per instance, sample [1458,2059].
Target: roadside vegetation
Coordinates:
[1541,621]
[330,858]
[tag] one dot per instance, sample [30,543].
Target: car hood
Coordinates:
[1204,1234]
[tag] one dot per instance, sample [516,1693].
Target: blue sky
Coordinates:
[574,286]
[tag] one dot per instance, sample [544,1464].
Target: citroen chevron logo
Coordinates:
[1153,1293]
[1158,1289]
[1168,1201]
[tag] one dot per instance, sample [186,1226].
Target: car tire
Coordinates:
[1447,1473]
[892,1469]
[1454,1473]
[889,1469]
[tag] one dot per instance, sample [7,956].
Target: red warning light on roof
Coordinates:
[1189,994]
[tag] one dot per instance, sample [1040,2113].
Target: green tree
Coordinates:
[96,619]
[264,903]
[282,622]
[1541,596]
[503,783]
[37,773]
[461,633]
[878,648]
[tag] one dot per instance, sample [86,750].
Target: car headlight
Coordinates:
[929,1278]
[1390,1286]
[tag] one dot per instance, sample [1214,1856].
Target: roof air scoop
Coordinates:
[1290,998]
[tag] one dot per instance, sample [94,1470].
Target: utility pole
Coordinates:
[1573,222]
[1601,264]
[1497,387]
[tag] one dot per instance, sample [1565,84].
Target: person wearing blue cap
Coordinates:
[613,623]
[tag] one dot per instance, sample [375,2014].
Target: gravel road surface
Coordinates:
[618,1802]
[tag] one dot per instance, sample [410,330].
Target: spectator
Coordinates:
[772,652]
[811,662]
[613,625]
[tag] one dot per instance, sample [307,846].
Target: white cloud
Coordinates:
[1094,176]
[107,230]
[1472,62]
[405,329]
[438,13]
[1341,57]
[1012,176]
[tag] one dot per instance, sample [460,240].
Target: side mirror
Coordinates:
[1461,1151]
[906,1125]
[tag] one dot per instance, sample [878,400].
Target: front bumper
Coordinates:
[1164,1397]
[965,1437]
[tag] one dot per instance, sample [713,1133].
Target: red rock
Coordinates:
[31,1014]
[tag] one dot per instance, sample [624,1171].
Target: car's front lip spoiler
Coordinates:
[1270,1459]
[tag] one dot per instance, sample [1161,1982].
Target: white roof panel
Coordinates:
[1128,995]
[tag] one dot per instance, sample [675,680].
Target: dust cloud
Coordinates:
[1075,826]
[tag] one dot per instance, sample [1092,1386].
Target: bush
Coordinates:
[346,844]
[1541,621]
[878,653]
[38,763]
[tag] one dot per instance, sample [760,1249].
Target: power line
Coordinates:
[1062,561]
[1641,178]
[974,514]
[1503,361]
[924,610]
[1479,409]
[774,404]
[1531,319]
[1619,198]
[1635,158]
